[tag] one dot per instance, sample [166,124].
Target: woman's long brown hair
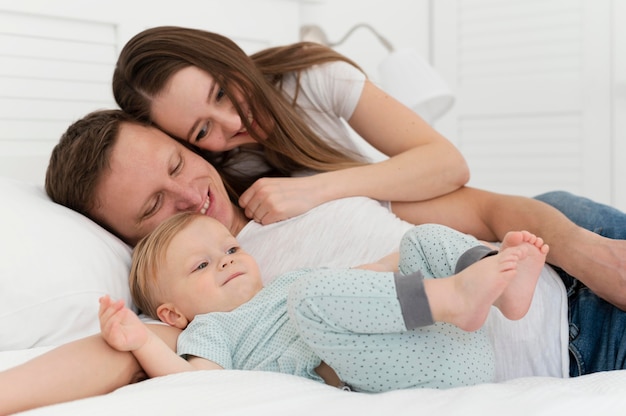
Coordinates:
[150,58]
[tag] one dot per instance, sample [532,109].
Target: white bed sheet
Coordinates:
[249,392]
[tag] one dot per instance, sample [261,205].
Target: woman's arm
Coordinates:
[598,262]
[83,368]
[422,164]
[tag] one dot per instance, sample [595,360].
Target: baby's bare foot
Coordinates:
[517,297]
[478,286]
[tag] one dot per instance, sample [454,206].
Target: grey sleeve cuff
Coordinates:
[472,255]
[413,301]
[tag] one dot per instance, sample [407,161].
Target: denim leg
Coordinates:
[594,216]
[597,329]
[586,213]
[597,334]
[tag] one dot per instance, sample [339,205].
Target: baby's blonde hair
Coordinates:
[148,259]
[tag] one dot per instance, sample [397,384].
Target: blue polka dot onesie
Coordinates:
[373,328]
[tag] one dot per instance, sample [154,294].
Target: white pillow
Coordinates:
[54,265]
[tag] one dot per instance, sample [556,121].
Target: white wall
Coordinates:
[618,149]
[257,20]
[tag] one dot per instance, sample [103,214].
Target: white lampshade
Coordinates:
[407,77]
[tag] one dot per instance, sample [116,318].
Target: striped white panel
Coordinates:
[52,72]
[533,154]
[519,81]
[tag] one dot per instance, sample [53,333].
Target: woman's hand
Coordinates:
[270,200]
[120,327]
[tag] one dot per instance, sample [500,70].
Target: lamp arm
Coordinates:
[316,34]
[382,40]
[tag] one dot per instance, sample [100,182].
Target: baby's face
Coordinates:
[205,270]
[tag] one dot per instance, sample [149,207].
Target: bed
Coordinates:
[57,263]
[245,393]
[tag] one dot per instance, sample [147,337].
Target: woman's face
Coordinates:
[193,107]
[153,177]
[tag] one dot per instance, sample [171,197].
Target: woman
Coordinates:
[289,103]
[129,177]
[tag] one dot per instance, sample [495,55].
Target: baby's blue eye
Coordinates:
[202,265]
[232,250]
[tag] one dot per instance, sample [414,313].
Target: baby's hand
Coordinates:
[121,327]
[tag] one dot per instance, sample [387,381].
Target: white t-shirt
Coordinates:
[328,96]
[352,231]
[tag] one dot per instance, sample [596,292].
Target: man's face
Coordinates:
[153,177]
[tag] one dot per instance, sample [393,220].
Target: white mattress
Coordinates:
[248,393]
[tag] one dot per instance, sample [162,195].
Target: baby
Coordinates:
[407,321]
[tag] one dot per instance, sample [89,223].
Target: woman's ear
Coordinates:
[170,314]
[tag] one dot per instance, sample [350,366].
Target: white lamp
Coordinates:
[404,75]
[407,77]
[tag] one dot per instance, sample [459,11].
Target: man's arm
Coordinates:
[83,368]
[598,262]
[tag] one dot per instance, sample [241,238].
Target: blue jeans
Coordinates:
[599,218]
[597,329]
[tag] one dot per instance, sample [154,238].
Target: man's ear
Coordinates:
[170,314]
